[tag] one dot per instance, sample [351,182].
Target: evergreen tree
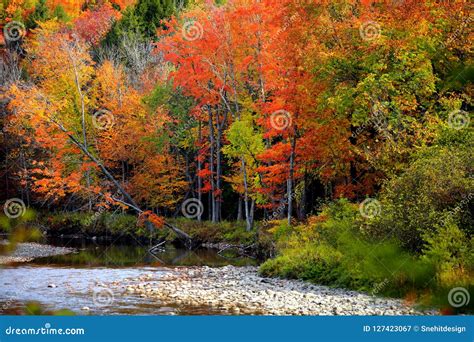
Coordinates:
[60,13]
[140,21]
[41,13]
[129,25]
[152,12]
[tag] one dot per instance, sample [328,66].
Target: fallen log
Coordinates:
[182,235]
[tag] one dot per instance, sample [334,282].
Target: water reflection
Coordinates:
[92,254]
[68,281]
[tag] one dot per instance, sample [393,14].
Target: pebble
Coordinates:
[241,290]
[27,251]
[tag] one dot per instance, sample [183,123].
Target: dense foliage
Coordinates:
[339,127]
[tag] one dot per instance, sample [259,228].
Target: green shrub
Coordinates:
[314,263]
[282,231]
[436,184]
[451,251]
[93,224]
[331,250]
[125,225]
[209,232]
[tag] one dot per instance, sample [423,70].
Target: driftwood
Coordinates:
[155,257]
[242,250]
[129,200]
[155,247]
[182,235]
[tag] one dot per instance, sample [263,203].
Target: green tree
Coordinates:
[152,12]
[60,13]
[435,184]
[140,21]
[41,13]
[129,25]
[245,144]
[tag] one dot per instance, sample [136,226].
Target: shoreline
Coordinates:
[241,290]
[232,290]
[28,251]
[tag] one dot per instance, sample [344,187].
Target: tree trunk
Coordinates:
[83,120]
[130,202]
[252,212]
[246,197]
[239,210]
[211,162]
[303,200]
[290,178]
[199,166]
[218,166]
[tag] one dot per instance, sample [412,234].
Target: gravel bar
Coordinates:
[27,251]
[240,290]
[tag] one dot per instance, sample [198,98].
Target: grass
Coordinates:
[352,263]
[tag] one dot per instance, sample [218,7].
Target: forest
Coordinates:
[330,139]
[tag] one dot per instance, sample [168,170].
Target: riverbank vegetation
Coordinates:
[420,242]
[334,134]
[126,226]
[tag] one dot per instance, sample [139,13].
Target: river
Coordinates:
[119,279]
[73,281]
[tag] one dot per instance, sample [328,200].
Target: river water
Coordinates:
[75,282]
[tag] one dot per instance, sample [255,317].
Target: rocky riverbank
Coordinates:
[25,252]
[240,290]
